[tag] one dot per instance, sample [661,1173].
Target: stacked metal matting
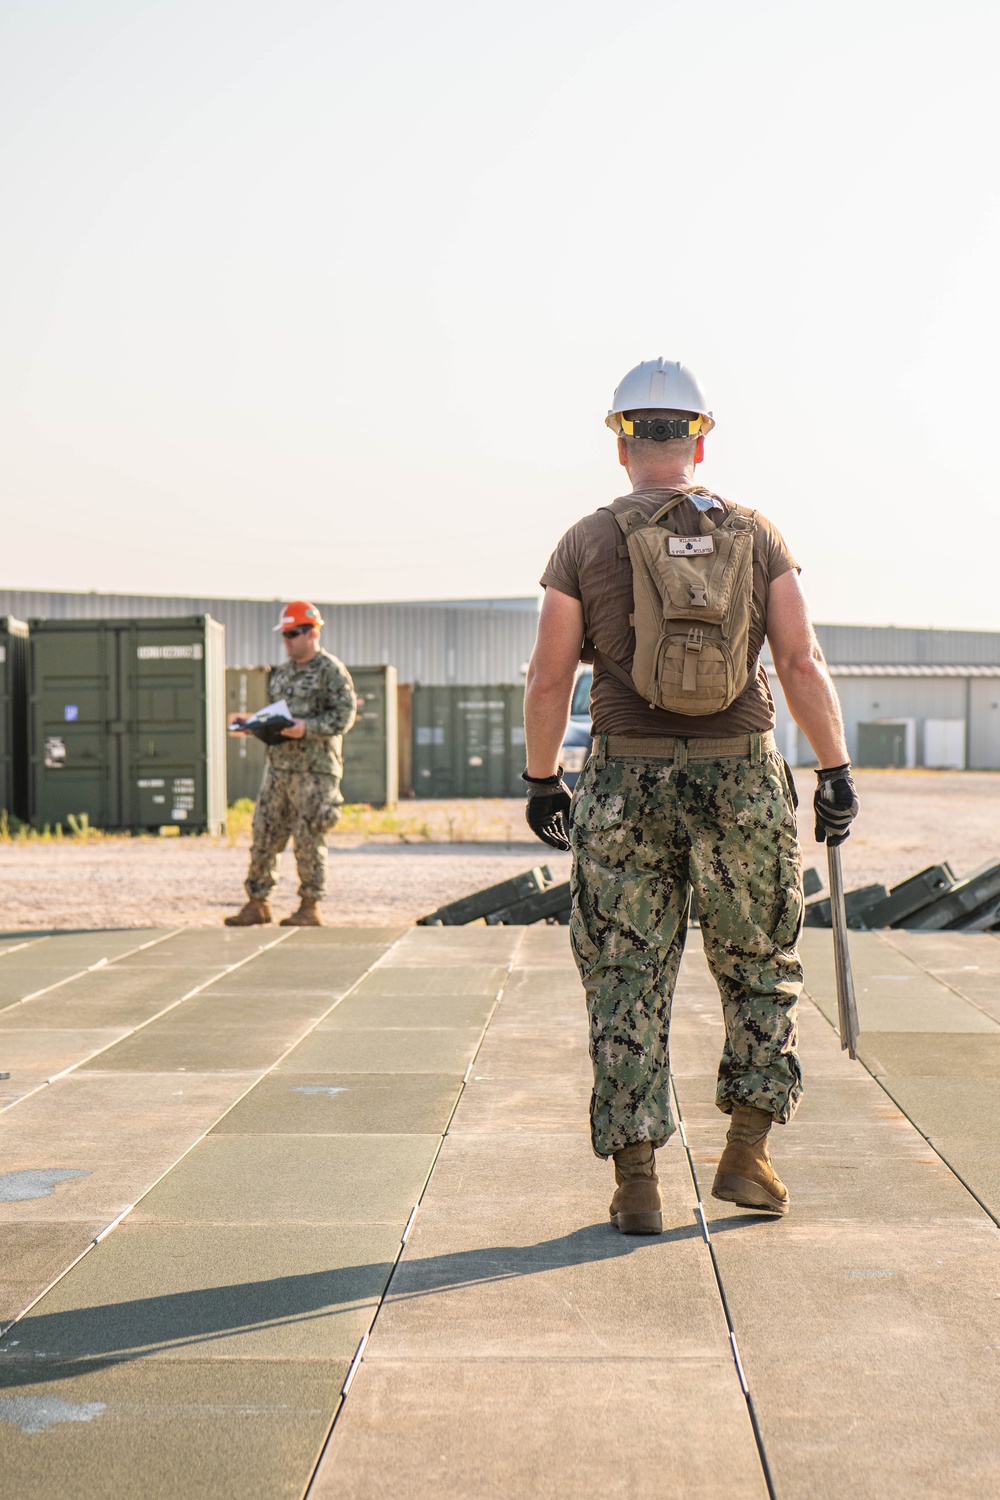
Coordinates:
[531,897]
[518,902]
[933,900]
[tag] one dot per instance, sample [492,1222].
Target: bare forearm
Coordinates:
[548,690]
[546,714]
[813,703]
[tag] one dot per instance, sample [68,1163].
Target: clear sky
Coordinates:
[324,299]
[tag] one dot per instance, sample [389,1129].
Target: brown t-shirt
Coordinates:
[586,566]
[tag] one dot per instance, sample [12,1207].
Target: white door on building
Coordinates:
[944,744]
[984,727]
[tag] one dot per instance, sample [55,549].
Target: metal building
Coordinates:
[910,697]
[484,642]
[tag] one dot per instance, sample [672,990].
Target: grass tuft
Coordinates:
[79,831]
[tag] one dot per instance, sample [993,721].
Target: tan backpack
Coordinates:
[693,601]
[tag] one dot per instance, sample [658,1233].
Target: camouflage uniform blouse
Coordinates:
[322,694]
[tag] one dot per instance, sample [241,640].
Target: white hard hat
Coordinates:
[664,385]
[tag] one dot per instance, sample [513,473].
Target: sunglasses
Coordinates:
[289,635]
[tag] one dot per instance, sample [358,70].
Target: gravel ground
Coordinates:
[909,819]
[156,883]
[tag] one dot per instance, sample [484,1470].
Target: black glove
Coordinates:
[548,808]
[835,805]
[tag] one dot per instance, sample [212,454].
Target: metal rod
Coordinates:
[847,1009]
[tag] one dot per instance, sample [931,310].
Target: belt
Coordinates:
[681,749]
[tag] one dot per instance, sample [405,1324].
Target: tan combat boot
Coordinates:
[306,916]
[745,1174]
[256,913]
[636,1206]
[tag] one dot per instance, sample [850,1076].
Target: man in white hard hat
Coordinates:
[672,590]
[300,795]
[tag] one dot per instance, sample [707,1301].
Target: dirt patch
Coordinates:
[395,867]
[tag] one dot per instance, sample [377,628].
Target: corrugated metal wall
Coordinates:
[480,641]
[891,644]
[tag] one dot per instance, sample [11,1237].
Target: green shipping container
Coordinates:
[468,741]
[246,757]
[371,748]
[13,717]
[126,723]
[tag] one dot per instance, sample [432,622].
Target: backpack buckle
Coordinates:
[692,646]
[699,596]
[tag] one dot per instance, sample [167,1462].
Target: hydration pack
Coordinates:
[693,598]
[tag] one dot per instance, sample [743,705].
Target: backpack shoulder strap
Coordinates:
[614,669]
[737,518]
[741,518]
[665,510]
[629,520]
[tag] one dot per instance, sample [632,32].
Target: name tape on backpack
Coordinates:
[690,546]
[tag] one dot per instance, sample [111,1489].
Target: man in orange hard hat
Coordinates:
[300,794]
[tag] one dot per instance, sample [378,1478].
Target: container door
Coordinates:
[515,742]
[468,741]
[404,737]
[491,739]
[162,664]
[75,724]
[246,757]
[17,699]
[434,772]
[481,742]
[371,751]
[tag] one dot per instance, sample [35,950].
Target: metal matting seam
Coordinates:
[142,1024]
[120,1218]
[922,1133]
[734,1347]
[5,1327]
[884,936]
[28,943]
[939,1153]
[352,1370]
[356,1363]
[100,964]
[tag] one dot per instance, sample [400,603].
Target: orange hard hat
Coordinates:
[299,612]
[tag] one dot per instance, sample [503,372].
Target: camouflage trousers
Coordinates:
[645,833]
[303,805]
